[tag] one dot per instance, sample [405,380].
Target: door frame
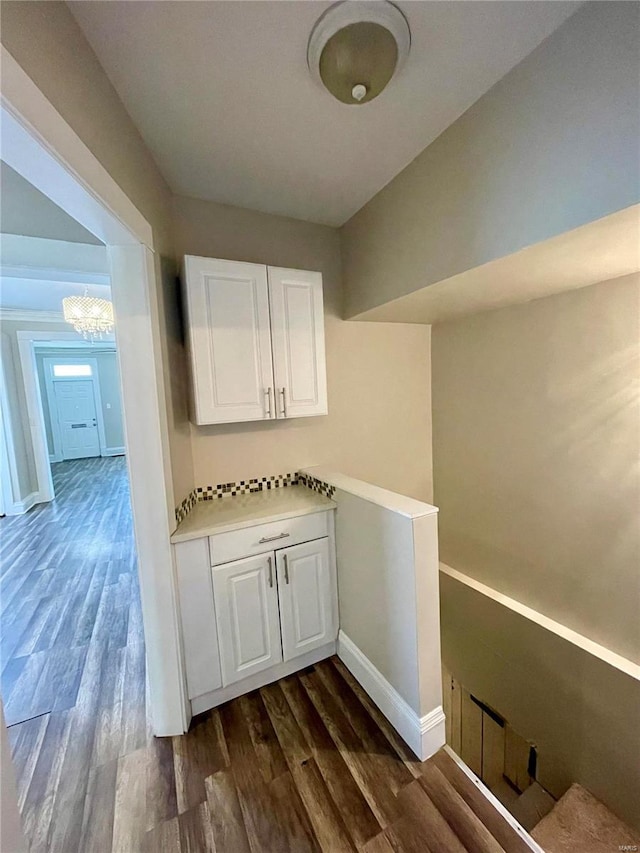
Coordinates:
[49,383]
[42,147]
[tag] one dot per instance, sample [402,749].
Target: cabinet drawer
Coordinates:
[225,547]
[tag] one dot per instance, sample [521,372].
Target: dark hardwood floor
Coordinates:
[306,764]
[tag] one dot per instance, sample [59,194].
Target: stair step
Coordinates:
[505,835]
[579,821]
[531,806]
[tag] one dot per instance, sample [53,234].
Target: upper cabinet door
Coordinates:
[227,306]
[297,334]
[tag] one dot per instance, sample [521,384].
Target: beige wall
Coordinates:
[46,41]
[552,146]
[378,428]
[536,437]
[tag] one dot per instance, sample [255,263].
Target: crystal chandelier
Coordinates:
[90,316]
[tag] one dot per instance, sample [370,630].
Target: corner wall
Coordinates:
[379,423]
[552,146]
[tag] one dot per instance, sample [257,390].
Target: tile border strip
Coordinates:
[243,487]
[316,485]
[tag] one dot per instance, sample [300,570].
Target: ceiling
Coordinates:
[26,211]
[222,96]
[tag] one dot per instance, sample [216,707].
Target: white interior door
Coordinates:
[246,602]
[306,604]
[227,305]
[297,334]
[77,417]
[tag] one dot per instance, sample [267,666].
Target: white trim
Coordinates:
[590,646]
[24,315]
[35,414]
[20,507]
[495,802]
[53,274]
[224,694]
[10,482]
[114,451]
[54,421]
[425,735]
[403,505]
[37,142]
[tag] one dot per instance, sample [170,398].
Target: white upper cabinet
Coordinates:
[227,306]
[297,340]
[256,341]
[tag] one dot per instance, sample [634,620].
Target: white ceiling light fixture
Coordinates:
[90,316]
[356,47]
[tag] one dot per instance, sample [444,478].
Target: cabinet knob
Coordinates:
[268,396]
[273,538]
[286,569]
[284,403]
[270,571]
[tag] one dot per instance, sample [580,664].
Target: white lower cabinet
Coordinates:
[255,618]
[246,602]
[304,592]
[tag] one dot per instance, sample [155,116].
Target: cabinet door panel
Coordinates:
[297,334]
[229,340]
[304,590]
[247,615]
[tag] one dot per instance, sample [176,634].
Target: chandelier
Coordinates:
[90,316]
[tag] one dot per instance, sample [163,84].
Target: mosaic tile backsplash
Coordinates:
[222,490]
[257,484]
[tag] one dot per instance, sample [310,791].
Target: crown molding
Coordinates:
[23,315]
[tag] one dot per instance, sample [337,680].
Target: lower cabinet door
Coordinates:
[246,602]
[304,589]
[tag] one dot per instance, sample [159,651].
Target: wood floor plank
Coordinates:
[255,800]
[358,817]
[328,825]
[426,822]
[195,832]
[375,789]
[129,814]
[227,825]
[411,761]
[97,829]
[386,759]
[505,835]
[162,799]
[163,838]
[196,756]
[265,743]
[468,827]
[292,816]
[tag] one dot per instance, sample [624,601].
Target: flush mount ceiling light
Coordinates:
[90,316]
[356,47]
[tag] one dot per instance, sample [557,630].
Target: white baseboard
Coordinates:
[425,735]
[20,507]
[55,457]
[113,451]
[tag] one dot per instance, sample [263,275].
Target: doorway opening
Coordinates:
[95,700]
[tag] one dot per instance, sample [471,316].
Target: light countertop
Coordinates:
[222,515]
